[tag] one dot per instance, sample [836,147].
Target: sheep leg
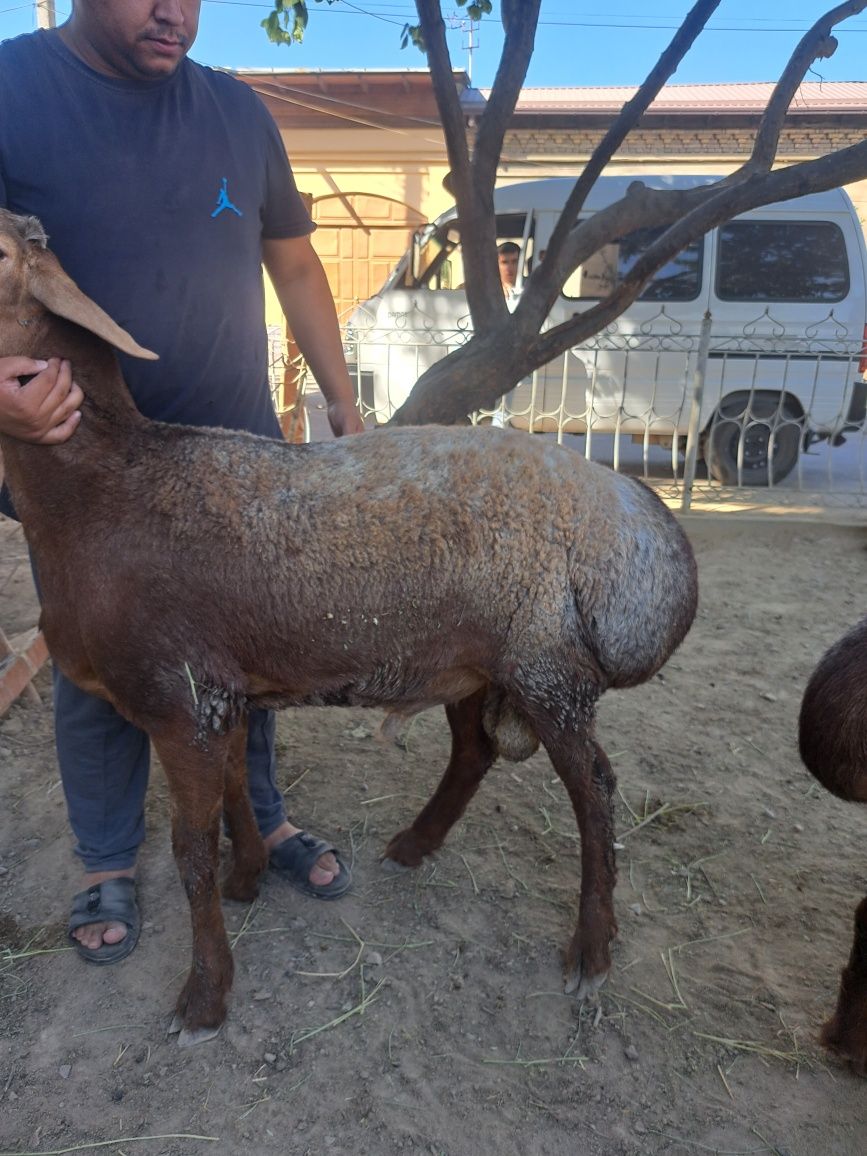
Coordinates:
[195,775]
[586,773]
[249,857]
[471,755]
[846,1032]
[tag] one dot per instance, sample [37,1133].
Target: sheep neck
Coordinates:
[49,482]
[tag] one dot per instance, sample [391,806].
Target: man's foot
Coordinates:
[309,864]
[105,922]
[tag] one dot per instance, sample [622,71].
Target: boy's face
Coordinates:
[508,267]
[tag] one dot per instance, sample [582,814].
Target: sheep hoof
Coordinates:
[844,1044]
[406,849]
[188,1038]
[234,890]
[583,986]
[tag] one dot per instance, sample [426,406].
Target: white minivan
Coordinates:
[785,288]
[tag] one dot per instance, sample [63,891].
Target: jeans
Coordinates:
[104,767]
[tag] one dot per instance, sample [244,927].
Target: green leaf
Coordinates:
[287,22]
[412,34]
[273,31]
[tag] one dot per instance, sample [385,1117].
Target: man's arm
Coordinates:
[305,296]
[46,409]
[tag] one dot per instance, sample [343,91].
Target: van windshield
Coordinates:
[433,265]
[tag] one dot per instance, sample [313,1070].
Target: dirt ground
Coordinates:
[424,1012]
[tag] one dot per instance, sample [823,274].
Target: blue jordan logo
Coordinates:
[223,201]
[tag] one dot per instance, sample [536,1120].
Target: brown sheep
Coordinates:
[833,742]
[189,573]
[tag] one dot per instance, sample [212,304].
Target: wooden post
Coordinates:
[292,402]
[20,659]
[46,14]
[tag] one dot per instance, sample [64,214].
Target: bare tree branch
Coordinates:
[549,276]
[827,172]
[511,73]
[474,198]
[574,250]
[816,44]
[447,98]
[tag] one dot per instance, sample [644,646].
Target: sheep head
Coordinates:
[30,273]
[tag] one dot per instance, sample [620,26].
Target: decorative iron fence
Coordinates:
[766,414]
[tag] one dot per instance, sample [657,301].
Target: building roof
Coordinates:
[330,98]
[701,99]
[404,98]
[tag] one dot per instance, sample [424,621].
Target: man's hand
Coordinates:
[344,418]
[46,409]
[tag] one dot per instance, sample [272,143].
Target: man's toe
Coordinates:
[105,922]
[94,935]
[320,874]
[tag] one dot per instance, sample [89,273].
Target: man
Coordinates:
[163,187]
[508,256]
[508,259]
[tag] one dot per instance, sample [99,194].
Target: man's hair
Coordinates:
[508,247]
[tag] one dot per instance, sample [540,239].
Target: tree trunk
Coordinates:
[473,377]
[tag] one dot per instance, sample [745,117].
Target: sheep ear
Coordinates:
[59,293]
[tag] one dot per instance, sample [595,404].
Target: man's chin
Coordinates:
[154,61]
[157,70]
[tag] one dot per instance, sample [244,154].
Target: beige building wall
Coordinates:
[366,175]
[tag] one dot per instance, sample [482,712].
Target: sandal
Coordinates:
[112,901]
[293,858]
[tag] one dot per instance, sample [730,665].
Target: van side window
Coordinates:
[782,261]
[678,280]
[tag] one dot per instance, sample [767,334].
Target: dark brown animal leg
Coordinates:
[249,857]
[472,755]
[586,773]
[195,777]
[846,1032]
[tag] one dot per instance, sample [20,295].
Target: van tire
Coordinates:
[759,415]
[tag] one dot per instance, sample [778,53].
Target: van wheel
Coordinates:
[753,420]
